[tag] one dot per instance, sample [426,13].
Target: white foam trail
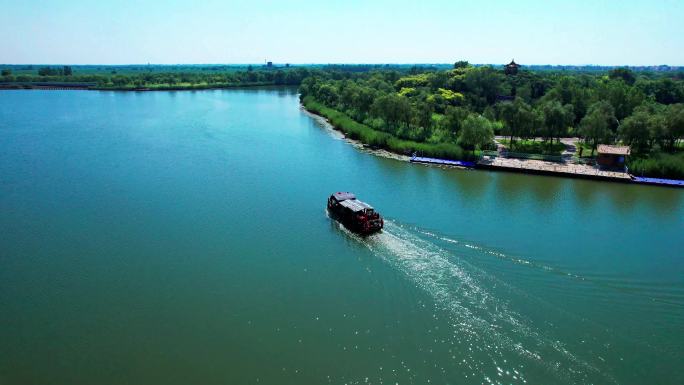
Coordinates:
[549,269]
[481,320]
[498,254]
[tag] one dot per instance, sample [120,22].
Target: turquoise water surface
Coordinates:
[181,237]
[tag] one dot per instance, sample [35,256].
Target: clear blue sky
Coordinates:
[606,32]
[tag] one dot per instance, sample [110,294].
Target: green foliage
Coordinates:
[557,119]
[164,77]
[423,116]
[450,96]
[483,85]
[477,132]
[674,124]
[595,126]
[519,119]
[393,109]
[49,71]
[407,91]
[375,138]
[461,64]
[658,165]
[535,147]
[453,119]
[412,81]
[636,129]
[622,73]
[621,96]
[427,106]
[663,90]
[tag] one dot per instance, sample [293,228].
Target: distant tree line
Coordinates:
[165,80]
[57,71]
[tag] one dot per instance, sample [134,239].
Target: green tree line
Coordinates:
[466,105]
[163,80]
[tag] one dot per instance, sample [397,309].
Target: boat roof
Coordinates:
[355,205]
[343,196]
[613,150]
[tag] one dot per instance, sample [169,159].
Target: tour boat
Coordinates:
[354,214]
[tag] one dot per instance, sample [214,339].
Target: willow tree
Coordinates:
[477,131]
[636,129]
[673,119]
[557,119]
[393,109]
[519,119]
[595,126]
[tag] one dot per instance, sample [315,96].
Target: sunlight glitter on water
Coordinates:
[498,342]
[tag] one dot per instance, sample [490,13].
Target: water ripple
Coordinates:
[483,324]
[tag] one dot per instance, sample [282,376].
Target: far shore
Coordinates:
[87,87]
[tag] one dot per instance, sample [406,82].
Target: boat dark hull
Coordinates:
[363,228]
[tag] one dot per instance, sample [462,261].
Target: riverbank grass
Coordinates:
[658,165]
[374,138]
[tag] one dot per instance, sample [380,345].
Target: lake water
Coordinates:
[181,238]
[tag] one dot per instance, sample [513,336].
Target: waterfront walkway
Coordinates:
[566,166]
[534,166]
[552,168]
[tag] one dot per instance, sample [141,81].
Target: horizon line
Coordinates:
[339,63]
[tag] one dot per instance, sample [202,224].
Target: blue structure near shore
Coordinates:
[442,162]
[658,181]
[633,179]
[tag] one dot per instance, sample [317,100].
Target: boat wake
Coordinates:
[499,255]
[500,343]
[677,301]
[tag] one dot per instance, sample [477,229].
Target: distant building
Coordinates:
[613,157]
[511,68]
[269,64]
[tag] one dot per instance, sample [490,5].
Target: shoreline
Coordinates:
[75,87]
[479,165]
[337,134]
[208,88]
